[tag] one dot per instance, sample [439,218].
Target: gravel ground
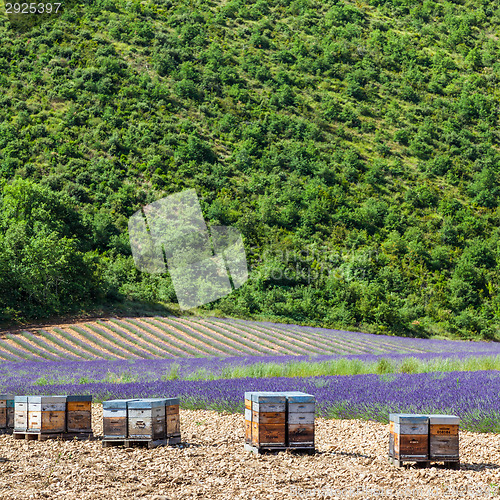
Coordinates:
[351,462]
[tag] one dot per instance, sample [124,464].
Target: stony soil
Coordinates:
[351,462]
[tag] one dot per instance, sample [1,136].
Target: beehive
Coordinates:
[248,418]
[79,414]
[409,437]
[268,420]
[46,414]
[10,413]
[300,419]
[114,418]
[146,419]
[5,399]
[21,413]
[172,417]
[443,437]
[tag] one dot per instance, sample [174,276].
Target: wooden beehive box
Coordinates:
[268,420]
[300,419]
[248,418]
[46,414]
[146,419]
[172,417]
[114,418]
[10,412]
[21,413]
[4,410]
[409,437]
[443,437]
[79,413]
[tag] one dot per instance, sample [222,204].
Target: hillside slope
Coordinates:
[354,144]
[177,337]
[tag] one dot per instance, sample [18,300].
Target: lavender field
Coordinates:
[473,395]
[352,375]
[176,337]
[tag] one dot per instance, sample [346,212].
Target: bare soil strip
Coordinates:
[351,462]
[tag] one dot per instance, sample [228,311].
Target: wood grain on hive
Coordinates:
[79,413]
[248,418]
[4,410]
[21,413]
[114,418]
[172,417]
[410,437]
[46,414]
[268,420]
[443,437]
[146,419]
[301,417]
[10,413]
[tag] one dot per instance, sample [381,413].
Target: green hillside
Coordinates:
[354,144]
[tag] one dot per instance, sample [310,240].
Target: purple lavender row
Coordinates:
[424,345]
[40,340]
[259,345]
[159,338]
[473,396]
[352,343]
[194,340]
[106,345]
[227,345]
[138,340]
[131,350]
[75,348]
[287,342]
[22,339]
[154,369]
[328,346]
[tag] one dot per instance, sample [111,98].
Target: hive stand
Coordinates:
[37,436]
[148,443]
[450,464]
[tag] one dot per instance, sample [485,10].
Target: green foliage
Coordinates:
[358,142]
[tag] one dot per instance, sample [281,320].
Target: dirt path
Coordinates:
[211,464]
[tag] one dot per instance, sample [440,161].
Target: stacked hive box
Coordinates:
[10,413]
[423,438]
[6,413]
[409,437]
[50,416]
[443,439]
[300,429]
[79,414]
[172,420]
[279,420]
[154,421]
[20,413]
[268,420]
[248,418]
[46,414]
[146,419]
[114,418]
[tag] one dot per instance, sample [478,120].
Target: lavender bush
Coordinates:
[474,396]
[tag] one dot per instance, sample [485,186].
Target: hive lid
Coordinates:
[4,397]
[79,397]
[268,397]
[21,399]
[299,397]
[116,404]
[46,399]
[444,419]
[146,403]
[171,401]
[248,395]
[408,418]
